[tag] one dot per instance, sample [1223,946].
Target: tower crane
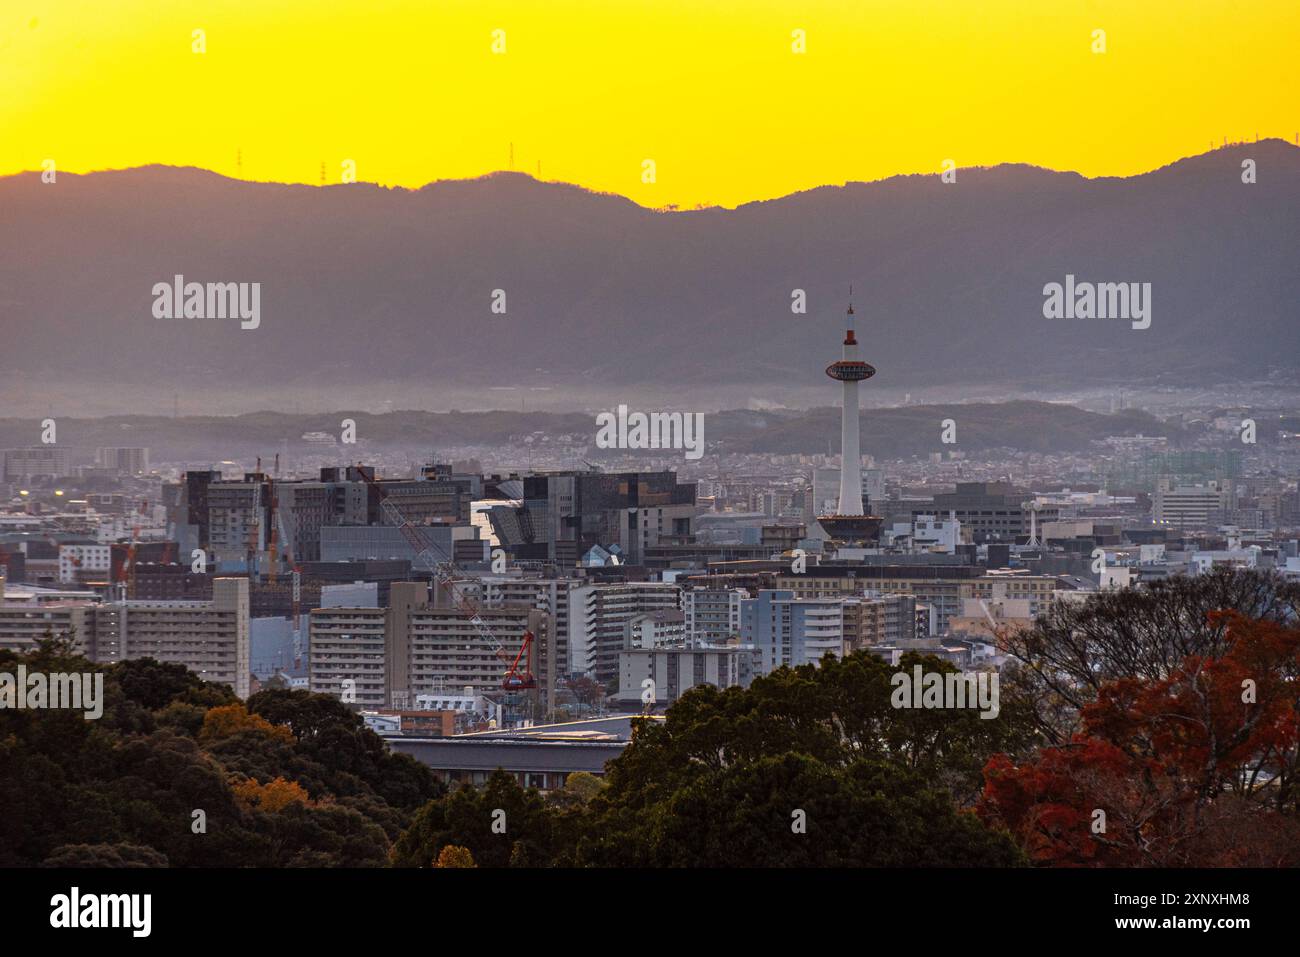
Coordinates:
[126,577]
[444,572]
[297,583]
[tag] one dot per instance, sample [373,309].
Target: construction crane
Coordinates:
[126,577]
[444,572]
[297,584]
[271,531]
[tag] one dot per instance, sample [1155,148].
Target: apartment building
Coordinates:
[879,619]
[24,623]
[598,613]
[347,654]
[548,595]
[655,629]
[210,638]
[123,461]
[78,560]
[713,614]
[937,585]
[785,629]
[1190,505]
[674,671]
[43,461]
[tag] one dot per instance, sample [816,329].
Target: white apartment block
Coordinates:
[45,461]
[24,623]
[713,614]
[597,615]
[83,558]
[448,652]
[1189,505]
[656,629]
[674,671]
[126,461]
[549,595]
[786,630]
[391,657]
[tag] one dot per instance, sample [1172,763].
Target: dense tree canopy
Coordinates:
[179,772]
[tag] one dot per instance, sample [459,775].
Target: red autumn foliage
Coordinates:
[1178,771]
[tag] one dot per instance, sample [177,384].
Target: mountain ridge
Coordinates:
[370,290]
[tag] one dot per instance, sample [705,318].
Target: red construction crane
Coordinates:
[126,577]
[445,572]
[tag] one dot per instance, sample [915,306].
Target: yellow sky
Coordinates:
[710,90]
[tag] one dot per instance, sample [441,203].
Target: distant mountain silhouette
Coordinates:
[363,284]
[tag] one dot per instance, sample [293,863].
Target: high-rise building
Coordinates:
[990,511]
[598,614]
[347,656]
[210,638]
[43,461]
[124,461]
[674,671]
[789,631]
[564,514]
[1190,505]
[713,614]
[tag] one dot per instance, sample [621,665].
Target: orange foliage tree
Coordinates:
[231,719]
[453,855]
[272,796]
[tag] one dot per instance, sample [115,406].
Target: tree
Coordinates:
[836,713]
[587,691]
[1076,647]
[232,719]
[92,792]
[270,797]
[453,855]
[105,855]
[1165,769]
[489,821]
[351,758]
[792,810]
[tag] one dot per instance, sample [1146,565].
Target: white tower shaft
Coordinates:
[851,454]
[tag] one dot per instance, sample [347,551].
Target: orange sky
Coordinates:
[713,93]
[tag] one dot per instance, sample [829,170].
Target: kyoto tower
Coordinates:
[850,524]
